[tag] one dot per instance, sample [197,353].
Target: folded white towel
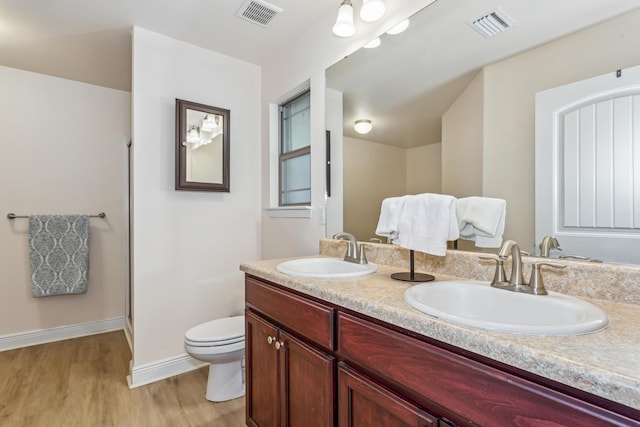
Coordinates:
[390,216]
[426,222]
[481,219]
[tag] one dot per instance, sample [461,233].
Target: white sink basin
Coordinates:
[477,304]
[325,268]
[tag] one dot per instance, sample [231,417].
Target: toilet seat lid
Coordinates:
[225,329]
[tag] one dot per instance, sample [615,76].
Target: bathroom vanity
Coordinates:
[352,353]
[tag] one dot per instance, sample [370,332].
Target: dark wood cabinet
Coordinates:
[290,382]
[306,384]
[388,376]
[459,388]
[364,403]
[262,372]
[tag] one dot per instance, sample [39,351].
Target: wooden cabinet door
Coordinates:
[262,399]
[306,384]
[363,403]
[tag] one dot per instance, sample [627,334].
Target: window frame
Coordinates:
[299,152]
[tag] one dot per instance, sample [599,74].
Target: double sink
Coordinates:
[473,303]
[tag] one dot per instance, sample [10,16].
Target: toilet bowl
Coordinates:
[220,343]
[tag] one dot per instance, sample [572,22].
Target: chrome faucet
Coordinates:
[355,253]
[548,243]
[516,281]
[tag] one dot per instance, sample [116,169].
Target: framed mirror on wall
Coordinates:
[202,147]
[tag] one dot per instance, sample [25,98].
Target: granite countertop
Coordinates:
[605,363]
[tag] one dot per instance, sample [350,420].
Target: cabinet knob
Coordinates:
[279,345]
[270,339]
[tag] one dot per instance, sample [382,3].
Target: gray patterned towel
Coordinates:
[59,254]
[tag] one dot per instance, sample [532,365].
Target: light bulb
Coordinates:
[372,10]
[193,135]
[344,24]
[399,28]
[363,126]
[373,43]
[209,123]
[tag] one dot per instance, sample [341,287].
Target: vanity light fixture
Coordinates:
[193,136]
[363,126]
[401,27]
[372,10]
[209,123]
[344,24]
[373,43]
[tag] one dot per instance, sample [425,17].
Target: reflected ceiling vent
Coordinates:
[492,23]
[258,11]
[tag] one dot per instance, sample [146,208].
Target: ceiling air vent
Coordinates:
[258,11]
[492,23]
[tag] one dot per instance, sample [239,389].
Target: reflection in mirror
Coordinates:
[453,112]
[202,147]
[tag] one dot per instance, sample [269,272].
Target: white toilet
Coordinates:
[221,343]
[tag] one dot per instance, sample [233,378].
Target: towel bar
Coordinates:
[13,216]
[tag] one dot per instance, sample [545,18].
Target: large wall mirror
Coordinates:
[202,147]
[453,111]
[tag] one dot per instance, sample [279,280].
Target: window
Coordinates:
[295,151]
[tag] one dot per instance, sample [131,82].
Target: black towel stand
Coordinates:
[412,276]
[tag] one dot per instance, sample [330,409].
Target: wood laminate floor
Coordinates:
[82,382]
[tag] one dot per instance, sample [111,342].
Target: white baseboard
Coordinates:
[161,369]
[43,336]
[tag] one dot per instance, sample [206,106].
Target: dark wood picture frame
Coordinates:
[181,148]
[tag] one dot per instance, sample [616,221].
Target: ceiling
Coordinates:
[90,40]
[405,85]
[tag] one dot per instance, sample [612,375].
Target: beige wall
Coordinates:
[462,135]
[424,169]
[64,151]
[375,171]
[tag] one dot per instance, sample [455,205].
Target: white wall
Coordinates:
[63,151]
[306,59]
[188,245]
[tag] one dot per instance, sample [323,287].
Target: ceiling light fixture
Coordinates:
[363,126]
[399,28]
[344,24]
[373,43]
[372,10]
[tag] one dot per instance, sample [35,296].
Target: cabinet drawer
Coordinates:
[467,391]
[364,403]
[309,319]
